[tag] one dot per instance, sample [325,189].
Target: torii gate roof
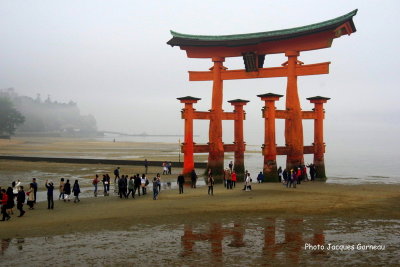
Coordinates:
[310,37]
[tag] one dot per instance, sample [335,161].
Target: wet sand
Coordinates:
[369,201]
[112,213]
[92,148]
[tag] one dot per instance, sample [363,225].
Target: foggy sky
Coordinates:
[111,57]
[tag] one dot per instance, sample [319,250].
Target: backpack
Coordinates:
[147,182]
[116,172]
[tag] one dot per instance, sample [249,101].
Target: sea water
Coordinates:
[344,164]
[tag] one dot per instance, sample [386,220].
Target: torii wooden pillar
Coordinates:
[239,136]
[319,145]
[188,144]
[269,147]
[293,124]
[216,152]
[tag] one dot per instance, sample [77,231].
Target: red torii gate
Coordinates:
[253,48]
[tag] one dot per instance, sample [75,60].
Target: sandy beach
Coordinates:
[113,213]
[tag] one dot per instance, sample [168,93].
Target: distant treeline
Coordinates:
[49,117]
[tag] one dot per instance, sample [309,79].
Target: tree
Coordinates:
[10,118]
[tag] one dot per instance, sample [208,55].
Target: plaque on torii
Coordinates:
[253,48]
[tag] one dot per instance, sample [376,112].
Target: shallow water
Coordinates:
[253,241]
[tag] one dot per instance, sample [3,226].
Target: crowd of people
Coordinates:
[135,185]
[296,175]
[17,193]
[125,187]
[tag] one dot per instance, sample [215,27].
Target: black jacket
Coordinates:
[21,196]
[67,188]
[181,179]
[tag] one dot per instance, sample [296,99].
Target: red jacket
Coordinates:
[4,199]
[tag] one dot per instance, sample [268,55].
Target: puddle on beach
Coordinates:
[240,242]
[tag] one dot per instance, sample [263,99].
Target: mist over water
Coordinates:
[352,159]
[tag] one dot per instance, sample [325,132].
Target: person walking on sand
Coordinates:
[158,177]
[138,184]
[164,167]
[180,181]
[50,189]
[107,184]
[228,179]
[67,191]
[280,173]
[144,182]
[285,177]
[95,182]
[122,184]
[21,201]
[131,187]
[31,196]
[116,174]
[10,200]
[234,179]
[104,180]
[15,187]
[260,178]
[4,200]
[312,171]
[155,188]
[248,182]
[61,188]
[244,179]
[169,167]
[35,188]
[210,184]
[294,178]
[298,175]
[76,191]
[193,178]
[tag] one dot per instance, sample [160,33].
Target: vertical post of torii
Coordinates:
[216,153]
[293,124]
[238,133]
[269,147]
[319,145]
[188,144]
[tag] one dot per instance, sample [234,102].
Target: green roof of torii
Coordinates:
[180,39]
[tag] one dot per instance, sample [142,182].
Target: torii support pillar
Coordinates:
[238,132]
[188,144]
[216,152]
[293,123]
[319,145]
[269,146]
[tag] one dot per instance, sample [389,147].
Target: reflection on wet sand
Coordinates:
[215,235]
[291,247]
[250,241]
[5,243]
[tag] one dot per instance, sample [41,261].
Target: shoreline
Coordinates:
[200,165]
